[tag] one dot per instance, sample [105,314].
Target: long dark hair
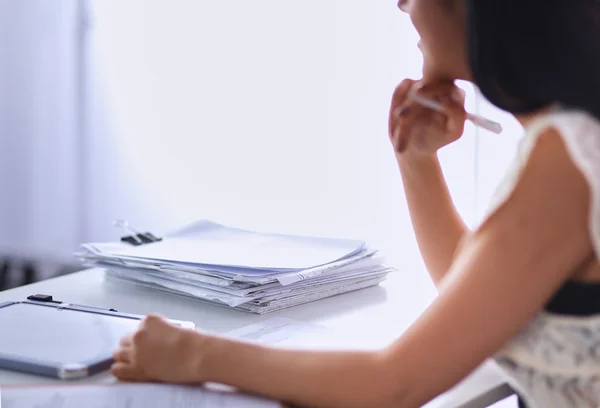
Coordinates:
[528,54]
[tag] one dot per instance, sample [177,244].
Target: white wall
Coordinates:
[268,114]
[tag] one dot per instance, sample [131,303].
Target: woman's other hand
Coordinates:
[160,351]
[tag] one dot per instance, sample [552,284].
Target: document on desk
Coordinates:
[277,331]
[295,334]
[127,396]
[244,270]
[209,243]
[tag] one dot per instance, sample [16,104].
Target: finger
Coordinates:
[441,91]
[126,340]
[426,125]
[437,119]
[459,95]
[401,93]
[403,128]
[408,108]
[399,142]
[149,320]
[419,123]
[456,117]
[153,319]
[127,372]
[401,113]
[123,354]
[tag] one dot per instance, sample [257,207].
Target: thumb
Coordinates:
[127,372]
[152,320]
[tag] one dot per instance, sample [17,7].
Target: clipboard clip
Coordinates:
[61,305]
[135,237]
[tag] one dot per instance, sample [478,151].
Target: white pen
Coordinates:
[477,120]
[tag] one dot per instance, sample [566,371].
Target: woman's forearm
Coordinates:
[438,225]
[303,378]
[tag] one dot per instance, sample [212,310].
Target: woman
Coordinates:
[524,287]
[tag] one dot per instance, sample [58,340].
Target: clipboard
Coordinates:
[50,338]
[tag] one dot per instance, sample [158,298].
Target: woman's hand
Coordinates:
[417,130]
[160,351]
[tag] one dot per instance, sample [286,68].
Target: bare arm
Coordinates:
[437,224]
[303,378]
[417,133]
[503,276]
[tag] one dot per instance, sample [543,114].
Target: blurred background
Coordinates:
[269,114]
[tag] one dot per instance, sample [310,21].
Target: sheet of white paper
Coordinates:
[127,396]
[510,402]
[235,298]
[281,304]
[207,243]
[278,331]
[253,307]
[194,291]
[227,275]
[319,287]
[363,257]
[296,334]
[319,290]
[273,289]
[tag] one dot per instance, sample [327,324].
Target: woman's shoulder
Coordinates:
[579,130]
[580,133]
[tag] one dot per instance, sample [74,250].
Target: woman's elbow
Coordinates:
[393,384]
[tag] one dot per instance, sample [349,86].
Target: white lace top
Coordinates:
[555,361]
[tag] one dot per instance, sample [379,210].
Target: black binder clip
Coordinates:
[135,238]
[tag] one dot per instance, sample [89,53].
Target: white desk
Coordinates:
[368,318]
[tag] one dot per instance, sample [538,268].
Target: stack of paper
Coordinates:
[245,270]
